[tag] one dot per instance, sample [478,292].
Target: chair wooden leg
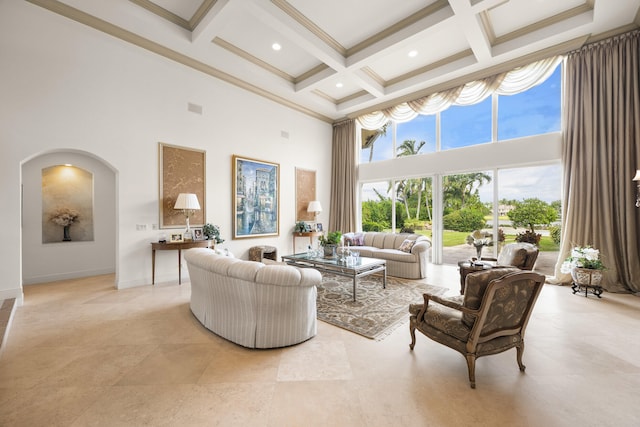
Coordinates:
[520,351]
[471,366]
[412,330]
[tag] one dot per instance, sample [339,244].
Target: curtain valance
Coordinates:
[508,83]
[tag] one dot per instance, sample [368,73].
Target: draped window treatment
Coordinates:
[344,163]
[508,83]
[601,151]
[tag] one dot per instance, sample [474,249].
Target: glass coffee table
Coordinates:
[355,268]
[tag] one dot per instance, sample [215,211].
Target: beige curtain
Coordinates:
[342,212]
[600,154]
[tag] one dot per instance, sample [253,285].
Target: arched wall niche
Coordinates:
[52,261]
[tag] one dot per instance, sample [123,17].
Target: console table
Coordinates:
[157,246]
[309,234]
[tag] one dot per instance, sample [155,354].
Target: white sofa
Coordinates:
[408,265]
[250,303]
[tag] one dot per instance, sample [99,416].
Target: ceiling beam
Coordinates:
[213,22]
[472,27]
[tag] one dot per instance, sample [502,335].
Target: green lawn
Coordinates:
[453,238]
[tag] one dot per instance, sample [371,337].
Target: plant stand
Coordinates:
[587,281]
[587,289]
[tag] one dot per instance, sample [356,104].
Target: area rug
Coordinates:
[376,312]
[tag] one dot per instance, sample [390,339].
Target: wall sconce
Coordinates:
[315,207]
[188,202]
[637,179]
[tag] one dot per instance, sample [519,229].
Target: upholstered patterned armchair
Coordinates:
[490,318]
[521,255]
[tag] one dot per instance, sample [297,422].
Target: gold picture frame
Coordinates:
[256,198]
[181,170]
[176,237]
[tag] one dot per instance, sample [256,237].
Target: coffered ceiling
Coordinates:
[340,58]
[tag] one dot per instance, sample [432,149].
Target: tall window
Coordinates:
[463,126]
[533,112]
[377,206]
[475,186]
[467,200]
[378,144]
[422,131]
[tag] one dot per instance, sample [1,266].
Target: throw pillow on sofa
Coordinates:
[407,245]
[356,240]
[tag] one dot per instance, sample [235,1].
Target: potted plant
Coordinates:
[212,232]
[585,266]
[330,243]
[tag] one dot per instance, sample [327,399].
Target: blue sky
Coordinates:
[536,111]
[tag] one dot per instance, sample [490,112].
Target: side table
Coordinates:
[157,246]
[467,267]
[258,253]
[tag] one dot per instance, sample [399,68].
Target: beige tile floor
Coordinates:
[80,353]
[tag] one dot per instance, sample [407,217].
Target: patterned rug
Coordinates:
[376,312]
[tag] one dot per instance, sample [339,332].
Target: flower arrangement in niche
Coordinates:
[582,257]
[480,239]
[65,216]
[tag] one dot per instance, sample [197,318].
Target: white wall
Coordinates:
[64,260]
[66,86]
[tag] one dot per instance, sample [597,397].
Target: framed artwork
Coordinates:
[182,170]
[197,234]
[256,198]
[319,226]
[176,238]
[305,193]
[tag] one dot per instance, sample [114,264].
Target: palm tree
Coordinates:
[413,186]
[369,138]
[459,190]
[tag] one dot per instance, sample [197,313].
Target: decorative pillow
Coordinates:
[357,239]
[407,245]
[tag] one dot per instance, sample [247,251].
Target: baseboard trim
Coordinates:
[66,276]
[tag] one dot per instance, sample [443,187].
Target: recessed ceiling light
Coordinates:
[339,84]
[276,46]
[413,53]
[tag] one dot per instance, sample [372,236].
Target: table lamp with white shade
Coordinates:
[188,203]
[315,207]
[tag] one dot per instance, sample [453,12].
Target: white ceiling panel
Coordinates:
[351,22]
[429,50]
[362,44]
[339,87]
[258,42]
[515,14]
